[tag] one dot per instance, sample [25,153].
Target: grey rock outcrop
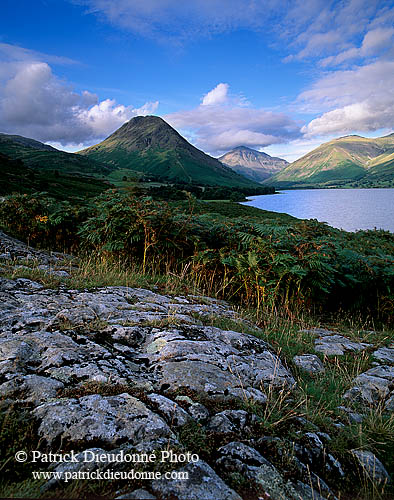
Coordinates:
[119,368]
[372,387]
[12,249]
[139,494]
[108,420]
[243,459]
[385,355]
[202,484]
[231,421]
[309,362]
[108,367]
[371,466]
[175,415]
[170,358]
[338,345]
[331,343]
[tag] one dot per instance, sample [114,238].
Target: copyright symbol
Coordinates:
[21,456]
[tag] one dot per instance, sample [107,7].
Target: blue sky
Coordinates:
[279,76]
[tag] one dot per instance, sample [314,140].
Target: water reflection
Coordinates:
[349,209]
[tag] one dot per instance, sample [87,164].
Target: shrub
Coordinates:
[42,221]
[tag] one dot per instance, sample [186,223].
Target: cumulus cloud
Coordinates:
[106,116]
[149,108]
[219,125]
[375,41]
[343,87]
[365,116]
[35,103]
[359,99]
[217,95]
[355,93]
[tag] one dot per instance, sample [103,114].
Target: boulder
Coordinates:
[373,386]
[202,484]
[108,420]
[174,414]
[338,345]
[371,466]
[385,355]
[232,421]
[309,363]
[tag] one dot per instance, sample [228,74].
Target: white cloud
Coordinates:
[103,116]
[362,116]
[317,28]
[329,32]
[375,41]
[360,99]
[352,97]
[17,53]
[318,43]
[222,125]
[149,108]
[35,103]
[218,95]
[339,88]
[106,116]
[172,19]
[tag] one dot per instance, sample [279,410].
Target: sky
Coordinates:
[275,75]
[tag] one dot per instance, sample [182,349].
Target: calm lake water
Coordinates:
[349,209]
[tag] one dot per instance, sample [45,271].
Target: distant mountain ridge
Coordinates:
[255,165]
[149,145]
[27,165]
[351,161]
[25,141]
[35,154]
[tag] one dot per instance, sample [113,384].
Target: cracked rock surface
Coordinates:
[121,368]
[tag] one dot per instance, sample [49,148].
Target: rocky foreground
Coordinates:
[121,370]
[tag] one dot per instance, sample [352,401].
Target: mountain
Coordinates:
[150,146]
[35,154]
[253,164]
[350,161]
[27,166]
[25,141]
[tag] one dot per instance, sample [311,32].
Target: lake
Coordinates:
[348,209]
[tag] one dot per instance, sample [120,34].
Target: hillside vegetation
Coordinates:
[40,156]
[350,161]
[16,177]
[284,278]
[147,150]
[258,259]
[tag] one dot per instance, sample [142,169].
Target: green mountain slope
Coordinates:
[253,164]
[25,141]
[149,146]
[349,161]
[37,155]
[27,166]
